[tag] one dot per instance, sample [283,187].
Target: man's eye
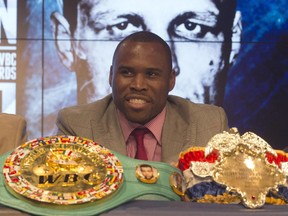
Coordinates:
[125,72]
[195,27]
[190,30]
[120,26]
[117,27]
[152,73]
[190,26]
[125,28]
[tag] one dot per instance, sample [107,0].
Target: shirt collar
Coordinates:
[155,125]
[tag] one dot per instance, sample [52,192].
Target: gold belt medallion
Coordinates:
[63,170]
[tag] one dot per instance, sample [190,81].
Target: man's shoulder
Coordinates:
[11,117]
[185,104]
[206,115]
[98,106]
[78,120]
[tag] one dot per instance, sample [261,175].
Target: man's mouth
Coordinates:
[137,101]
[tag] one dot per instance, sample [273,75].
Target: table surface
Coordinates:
[166,208]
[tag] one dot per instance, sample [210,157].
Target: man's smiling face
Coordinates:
[141,78]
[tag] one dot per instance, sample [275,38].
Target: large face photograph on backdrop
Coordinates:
[225,52]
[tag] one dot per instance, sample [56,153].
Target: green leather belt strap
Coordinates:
[131,188]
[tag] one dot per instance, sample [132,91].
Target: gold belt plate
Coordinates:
[63,170]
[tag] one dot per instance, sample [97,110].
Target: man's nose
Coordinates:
[165,35]
[139,82]
[175,64]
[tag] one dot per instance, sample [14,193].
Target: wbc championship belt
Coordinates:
[68,175]
[236,169]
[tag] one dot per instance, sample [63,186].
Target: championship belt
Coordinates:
[68,175]
[236,169]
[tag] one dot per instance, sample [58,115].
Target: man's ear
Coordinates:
[110,76]
[172,80]
[62,35]
[236,37]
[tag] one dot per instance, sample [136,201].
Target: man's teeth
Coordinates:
[137,101]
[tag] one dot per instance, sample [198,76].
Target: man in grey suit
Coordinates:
[141,77]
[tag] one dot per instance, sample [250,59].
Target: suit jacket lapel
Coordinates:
[176,134]
[107,130]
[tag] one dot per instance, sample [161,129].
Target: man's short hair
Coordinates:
[145,36]
[145,165]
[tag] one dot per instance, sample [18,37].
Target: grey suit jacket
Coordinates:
[12,131]
[186,124]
